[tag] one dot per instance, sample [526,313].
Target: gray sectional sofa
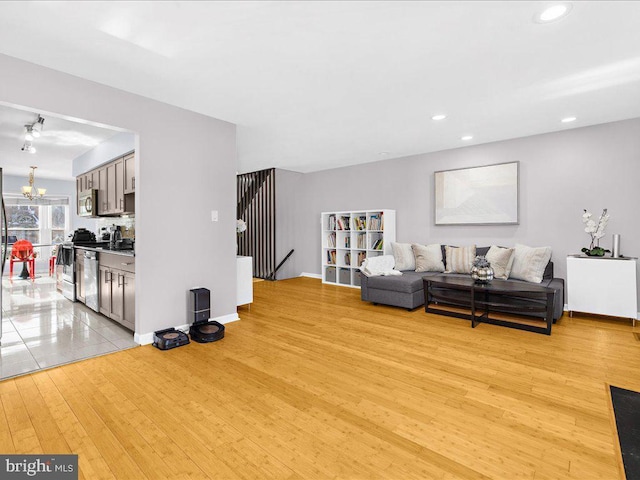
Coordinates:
[407,290]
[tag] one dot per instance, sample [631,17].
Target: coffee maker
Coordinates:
[115,237]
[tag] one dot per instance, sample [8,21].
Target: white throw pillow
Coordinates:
[501,260]
[403,255]
[460,259]
[428,258]
[529,263]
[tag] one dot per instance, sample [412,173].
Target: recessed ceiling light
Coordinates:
[568,119]
[384,154]
[440,116]
[553,13]
[466,137]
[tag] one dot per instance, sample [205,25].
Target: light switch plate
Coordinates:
[214,215]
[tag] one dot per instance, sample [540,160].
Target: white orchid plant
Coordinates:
[595,231]
[241,226]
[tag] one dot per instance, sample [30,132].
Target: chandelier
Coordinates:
[31,191]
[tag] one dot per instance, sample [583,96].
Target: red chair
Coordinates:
[22,251]
[52,261]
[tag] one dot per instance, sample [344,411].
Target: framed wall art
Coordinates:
[486,195]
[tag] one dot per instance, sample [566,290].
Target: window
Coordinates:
[23,221]
[39,224]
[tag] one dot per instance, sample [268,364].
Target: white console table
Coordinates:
[244,279]
[602,285]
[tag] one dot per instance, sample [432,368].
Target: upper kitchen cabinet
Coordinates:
[115,183]
[84,182]
[123,202]
[100,176]
[129,173]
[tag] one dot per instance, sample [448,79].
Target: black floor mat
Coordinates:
[626,407]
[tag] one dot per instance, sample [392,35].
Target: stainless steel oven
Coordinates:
[88,203]
[66,259]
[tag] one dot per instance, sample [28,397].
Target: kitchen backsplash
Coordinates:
[128,225]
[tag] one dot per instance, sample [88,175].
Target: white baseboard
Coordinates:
[311,275]
[147,338]
[232,317]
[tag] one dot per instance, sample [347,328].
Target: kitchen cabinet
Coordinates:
[101,182]
[117,288]
[111,188]
[84,182]
[129,300]
[124,203]
[129,173]
[87,181]
[115,182]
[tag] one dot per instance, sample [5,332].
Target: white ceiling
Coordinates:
[60,142]
[315,85]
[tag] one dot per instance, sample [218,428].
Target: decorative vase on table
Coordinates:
[241,227]
[481,271]
[596,232]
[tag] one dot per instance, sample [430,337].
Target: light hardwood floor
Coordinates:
[314,383]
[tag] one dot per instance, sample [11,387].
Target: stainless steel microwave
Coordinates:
[88,203]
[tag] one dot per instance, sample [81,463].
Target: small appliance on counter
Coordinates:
[82,235]
[115,238]
[104,234]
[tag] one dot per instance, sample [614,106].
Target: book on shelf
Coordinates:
[361,258]
[331,239]
[361,241]
[347,242]
[377,245]
[361,222]
[347,258]
[376,221]
[331,257]
[344,223]
[331,222]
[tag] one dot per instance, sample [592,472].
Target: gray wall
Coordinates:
[108,150]
[55,187]
[560,175]
[186,165]
[286,222]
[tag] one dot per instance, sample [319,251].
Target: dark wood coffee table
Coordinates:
[524,299]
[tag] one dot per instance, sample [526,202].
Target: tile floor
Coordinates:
[42,329]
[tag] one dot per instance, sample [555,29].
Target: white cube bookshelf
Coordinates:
[350,237]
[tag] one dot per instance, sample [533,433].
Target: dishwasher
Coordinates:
[91,280]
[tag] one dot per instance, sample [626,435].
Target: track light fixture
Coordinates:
[27,147]
[37,127]
[31,132]
[28,134]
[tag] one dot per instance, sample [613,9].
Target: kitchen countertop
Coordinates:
[126,253]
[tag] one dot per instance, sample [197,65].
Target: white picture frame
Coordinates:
[484,195]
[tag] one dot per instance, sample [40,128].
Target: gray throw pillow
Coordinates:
[403,256]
